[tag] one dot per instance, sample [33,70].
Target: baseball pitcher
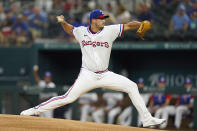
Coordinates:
[96,43]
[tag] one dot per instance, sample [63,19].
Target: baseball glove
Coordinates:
[144,27]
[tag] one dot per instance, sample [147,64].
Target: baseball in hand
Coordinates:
[35,68]
[60,18]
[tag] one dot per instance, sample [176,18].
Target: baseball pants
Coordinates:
[88,80]
[180,111]
[164,113]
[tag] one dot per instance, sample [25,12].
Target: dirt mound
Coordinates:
[26,123]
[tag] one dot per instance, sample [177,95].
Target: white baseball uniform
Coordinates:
[96,50]
[43,96]
[182,108]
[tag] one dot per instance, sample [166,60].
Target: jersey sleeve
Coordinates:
[77,32]
[116,30]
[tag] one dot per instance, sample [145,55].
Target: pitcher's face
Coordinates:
[99,23]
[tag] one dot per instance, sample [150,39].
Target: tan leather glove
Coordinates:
[144,27]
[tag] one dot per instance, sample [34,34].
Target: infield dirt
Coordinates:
[30,123]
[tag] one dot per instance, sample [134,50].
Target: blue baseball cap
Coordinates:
[188,81]
[48,74]
[98,14]
[140,80]
[161,79]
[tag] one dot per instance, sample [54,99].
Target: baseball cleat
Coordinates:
[28,112]
[154,122]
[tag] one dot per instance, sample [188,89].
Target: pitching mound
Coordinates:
[24,123]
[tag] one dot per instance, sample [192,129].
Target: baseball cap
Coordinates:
[48,74]
[140,80]
[181,7]
[98,14]
[188,81]
[161,79]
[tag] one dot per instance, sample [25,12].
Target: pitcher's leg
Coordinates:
[120,83]
[81,85]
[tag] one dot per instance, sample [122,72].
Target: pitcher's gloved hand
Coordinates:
[144,27]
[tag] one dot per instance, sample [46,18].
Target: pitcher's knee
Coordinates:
[131,87]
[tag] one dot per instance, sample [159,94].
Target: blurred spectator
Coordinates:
[45,83]
[145,96]
[38,24]
[85,102]
[180,20]
[98,108]
[159,103]
[6,31]
[109,11]
[126,111]
[77,12]
[2,14]
[193,21]
[123,15]
[115,110]
[194,8]
[15,9]
[161,83]
[9,16]
[144,13]
[21,31]
[29,13]
[188,83]
[183,107]
[57,4]
[76,9]
[88,8]
[161,1]
[44,5]
[111,103]
[187,4]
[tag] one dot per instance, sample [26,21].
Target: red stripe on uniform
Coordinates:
[101,71]
[60,97]
[122,29]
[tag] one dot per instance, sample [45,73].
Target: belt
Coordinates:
[99,72]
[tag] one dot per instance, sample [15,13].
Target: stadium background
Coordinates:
[26,40]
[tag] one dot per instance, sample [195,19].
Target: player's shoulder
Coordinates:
[80,28]
[112,26]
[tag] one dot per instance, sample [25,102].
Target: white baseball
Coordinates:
[36,68]
[60,19]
